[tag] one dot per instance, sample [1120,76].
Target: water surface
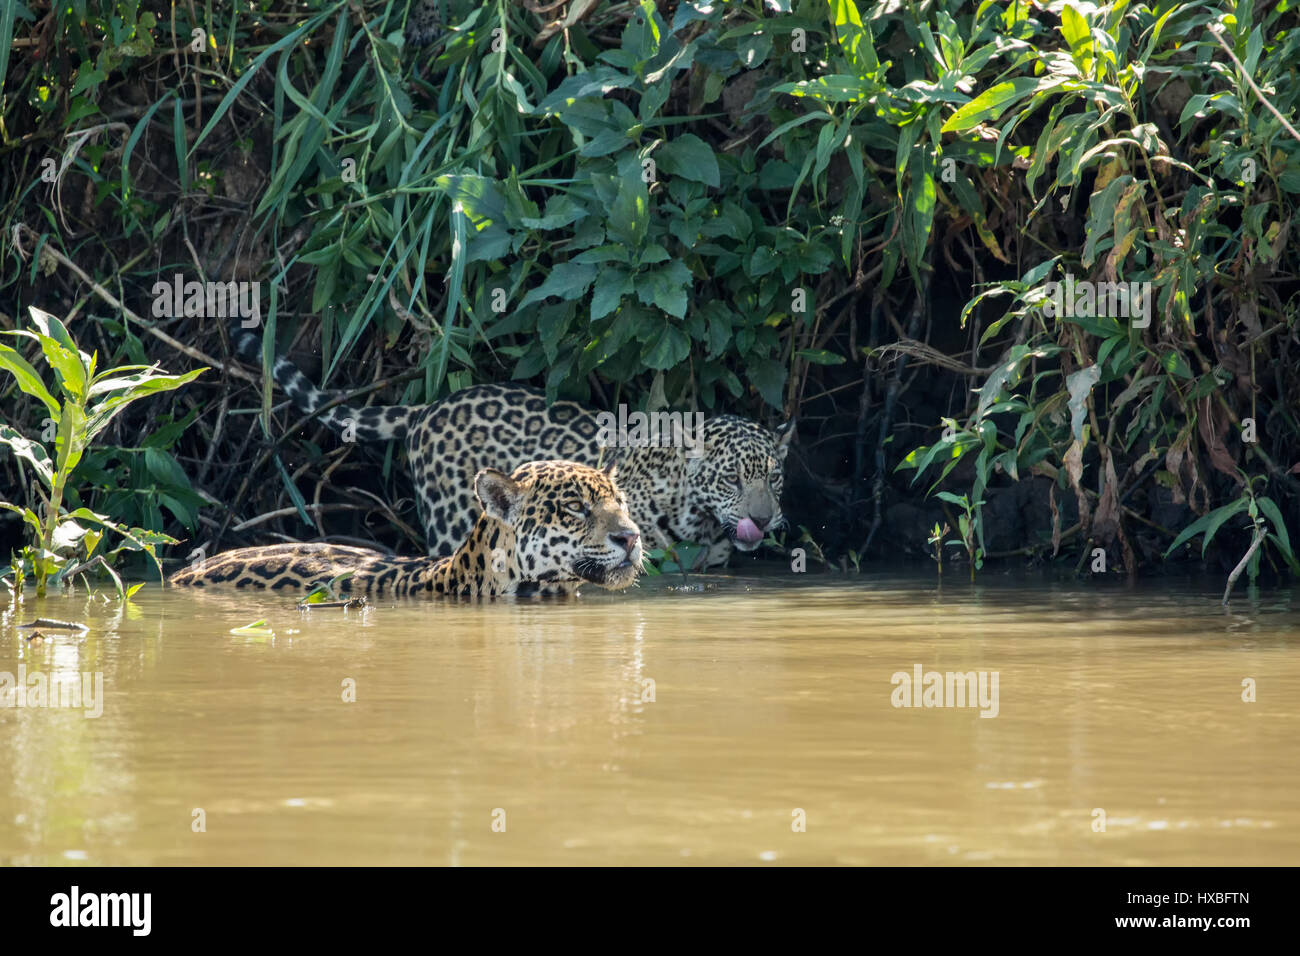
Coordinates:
[771,704]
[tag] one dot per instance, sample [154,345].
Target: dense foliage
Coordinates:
[854,214]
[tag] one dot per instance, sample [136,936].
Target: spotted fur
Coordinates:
[424,23]
[546,529]
[671,496]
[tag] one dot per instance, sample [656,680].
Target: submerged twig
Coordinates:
[356,602]
[53,625]
[1241,565]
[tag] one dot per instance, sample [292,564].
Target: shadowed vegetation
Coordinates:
[855,214]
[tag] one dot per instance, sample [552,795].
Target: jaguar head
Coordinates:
[570,522]
[739,477]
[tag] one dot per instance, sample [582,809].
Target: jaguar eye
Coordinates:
[739,481]
[576,507]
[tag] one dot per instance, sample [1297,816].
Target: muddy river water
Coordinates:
[751,719]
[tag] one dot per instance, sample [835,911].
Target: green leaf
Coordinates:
[115,381]
[478,197]
[178,143]
[629,213]
[7,13]
[142,539]
[854,37]
[667,347]
[27,514]
[152,384]
[691,158]
[996,100]
[1209,525]
[134,138]
[1004,377]
[28,380]
[1274,514]
[67,535]
[768,376]
[288,41]
[600,254]
[1074,28]
[294,494]
[60,352]
[319,594]
[611,285]
[1174,363]
[164,469]
[568,281]
[70,439]
[665,287]
[921,199]
[436,372]
[560,211]
[31,452]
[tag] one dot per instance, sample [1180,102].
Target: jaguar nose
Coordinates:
[626,540]
[761,520]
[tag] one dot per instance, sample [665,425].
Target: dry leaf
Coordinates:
[1212,423]
[1056,519]
[1106,520]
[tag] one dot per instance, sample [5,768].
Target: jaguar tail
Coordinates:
[352,422]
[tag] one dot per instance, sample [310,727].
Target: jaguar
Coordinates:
[724,494]
[546,529]
[424,23]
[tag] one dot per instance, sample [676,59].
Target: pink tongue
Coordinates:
[747,531]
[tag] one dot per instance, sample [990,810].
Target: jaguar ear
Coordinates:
[499,494]
[784,436]
[611,470]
